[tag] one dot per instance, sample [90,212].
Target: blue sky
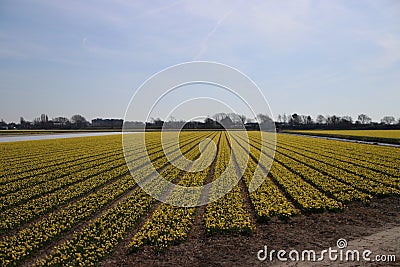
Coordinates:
[88,57]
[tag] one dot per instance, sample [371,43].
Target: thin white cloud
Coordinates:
[204,43]
[386,50]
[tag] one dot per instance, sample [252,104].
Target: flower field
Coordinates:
[74,202]
[384,136]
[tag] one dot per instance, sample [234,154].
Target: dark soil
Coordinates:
[313,231]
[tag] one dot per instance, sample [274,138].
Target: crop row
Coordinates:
[307,197]
[15,151]
[55,161]
[31,156]
[113,147]
[368,186]
[376,167]
[357,177]
[65,177]
[171,224]
[18,246]
[46,174]
[101,235]
[338,190]
[25,212]
[356,170]
[267,200]
[378,155]
[228,213]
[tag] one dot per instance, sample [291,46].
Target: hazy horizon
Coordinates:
[307,57]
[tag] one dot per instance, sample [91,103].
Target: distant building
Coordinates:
[107,123]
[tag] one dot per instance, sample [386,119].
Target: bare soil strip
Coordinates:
[314,231]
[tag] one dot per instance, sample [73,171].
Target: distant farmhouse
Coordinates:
[107,123]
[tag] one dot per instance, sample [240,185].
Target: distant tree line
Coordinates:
[297,121]
[43,122]
[217,121]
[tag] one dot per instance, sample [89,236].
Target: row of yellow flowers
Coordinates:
[93,168]
[306,175]
[27,211]
[170,224]
[48,174]
[383,159]
[338,190]
[267,200]
[359,170]
[16,247]
[16,216]
[355,176]
[32,157]
[99,238]
[25,175]
[63,173]
[227,214]
[304,194]
[376,186]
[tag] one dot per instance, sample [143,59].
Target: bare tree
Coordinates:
[62,121]
[219,116]
[285,118]
[332,119]
[295,119]
[346,120]
[321,119]
[44,118]
[364,119]
[242,119]
[172,123]
[303,119]
[279,118]
[306,119]
[263,118]
[79,121]
[309,120]
[158,121]
[388,120]
[36,121]
[234,118]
